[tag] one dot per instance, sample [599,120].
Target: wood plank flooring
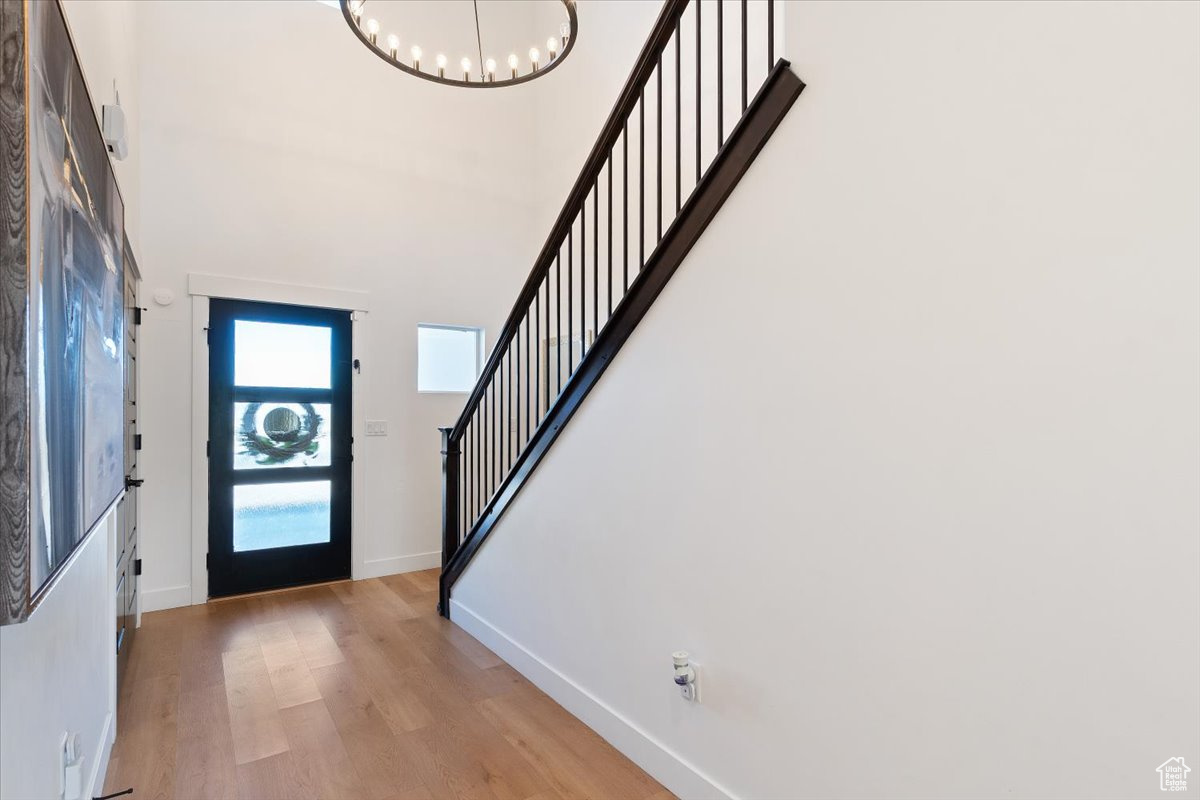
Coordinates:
[351,690]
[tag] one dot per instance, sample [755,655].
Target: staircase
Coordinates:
[617,241]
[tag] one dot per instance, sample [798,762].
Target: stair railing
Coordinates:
[599,244]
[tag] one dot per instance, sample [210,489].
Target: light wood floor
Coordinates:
[351,690]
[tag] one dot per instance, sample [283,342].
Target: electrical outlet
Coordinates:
[687,676]
[377,427]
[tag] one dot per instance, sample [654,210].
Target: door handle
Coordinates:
[133,483]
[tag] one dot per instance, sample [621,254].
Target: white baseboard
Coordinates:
[100,767]
[170,597]
[666,766]
[378,567]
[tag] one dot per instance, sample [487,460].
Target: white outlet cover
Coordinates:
[377,427]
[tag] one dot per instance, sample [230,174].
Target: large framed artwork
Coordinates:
[61,296]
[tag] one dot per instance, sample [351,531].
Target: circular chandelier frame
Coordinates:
[485,80]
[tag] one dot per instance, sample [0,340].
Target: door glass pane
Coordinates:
[279,354]
[267,435]
[280,515]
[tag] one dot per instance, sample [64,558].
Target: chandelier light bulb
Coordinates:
[512,64]
[552,47]
[534,56]
[393,42]
[564,31]
[373,29]
[441,64]
[416,57]
[356,9]
[466,68]
[490,66]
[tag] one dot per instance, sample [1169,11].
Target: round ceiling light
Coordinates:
[481,74]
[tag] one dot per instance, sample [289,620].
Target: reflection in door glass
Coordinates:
[278,354]
[269,515]
[267,435]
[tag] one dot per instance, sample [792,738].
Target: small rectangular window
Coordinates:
[449,358]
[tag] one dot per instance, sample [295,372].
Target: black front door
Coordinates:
[279,446]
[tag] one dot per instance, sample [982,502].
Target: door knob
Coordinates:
[133,483]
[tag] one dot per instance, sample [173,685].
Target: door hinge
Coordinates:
[208,449]
[206,560]
[137,315]
[208,335]
[137,441]
[137,566]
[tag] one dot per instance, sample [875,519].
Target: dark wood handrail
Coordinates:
[643,69]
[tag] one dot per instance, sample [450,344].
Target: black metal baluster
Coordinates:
[595,257]
[770,35]
[625,208]
[464,486]
[642,181]
[517,407]
[537,365]
[583,277]
[465,489]
[699,61]
[558,314]
[485,451]
[678,119]
[570,302]
[547,409]
[503,429]
[610,171]
[528,373]
[745,55]
[720,73]
[512,406]
[493,450]
[482,462]
[479,445]
[658,143]
[508,410]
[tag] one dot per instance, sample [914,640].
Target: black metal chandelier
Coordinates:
[388,48]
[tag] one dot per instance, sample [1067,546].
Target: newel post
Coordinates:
[450,454]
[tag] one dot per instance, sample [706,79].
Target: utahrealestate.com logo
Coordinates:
[1172,775]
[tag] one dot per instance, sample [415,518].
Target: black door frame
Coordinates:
[259,570]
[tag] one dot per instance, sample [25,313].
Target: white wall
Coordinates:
[923,504]
[277,148]
[57,669]
[58,675]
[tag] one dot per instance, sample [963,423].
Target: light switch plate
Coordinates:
[377,427]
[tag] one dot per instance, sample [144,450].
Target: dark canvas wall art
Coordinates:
[76,220]
[73,323]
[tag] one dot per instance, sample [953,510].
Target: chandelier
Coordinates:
[482,74]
